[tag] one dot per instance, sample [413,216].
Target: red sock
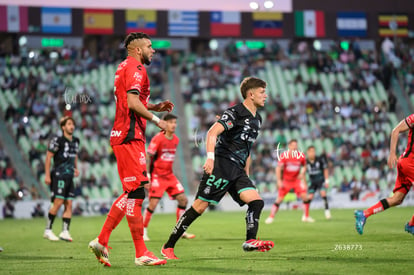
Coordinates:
[274,210]
[135,222]
[179,212]
[115,215]
[147,217]
[411,223]
[376,208]
[306,206]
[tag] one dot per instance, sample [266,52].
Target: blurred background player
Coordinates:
[226,169]
[405,176]
[291,174]
[160,159]
[132,92]
[317,169]
[63,149]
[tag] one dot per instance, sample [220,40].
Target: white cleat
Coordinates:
[65,236]
[145,236]
[188,236]
[269,220]
[100,251]
[307,219]
[149,259]
[50,235]
[327,214]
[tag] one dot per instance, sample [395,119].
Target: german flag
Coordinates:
[393,25]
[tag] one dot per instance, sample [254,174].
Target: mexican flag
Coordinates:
[310,23]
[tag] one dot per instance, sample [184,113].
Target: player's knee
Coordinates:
[256,204]
[182,201]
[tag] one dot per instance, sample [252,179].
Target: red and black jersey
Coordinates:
[410,145]
[163,151]
[130,77]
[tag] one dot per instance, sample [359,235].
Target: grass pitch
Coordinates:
[325,247]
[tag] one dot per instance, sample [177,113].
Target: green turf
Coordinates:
[299,248]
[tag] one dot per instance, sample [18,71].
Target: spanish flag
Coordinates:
[141,21]
[393,25]
[98,21]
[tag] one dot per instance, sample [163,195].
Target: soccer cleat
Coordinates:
[149,259]
[269,220]
[65,236]
[168,253]
[360,221]
[188,236]
[145,236]
[100,251]
[409,228]
[307,219]
[50,235]
[327,214]
[257,245]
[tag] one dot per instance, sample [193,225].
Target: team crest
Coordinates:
[207,190]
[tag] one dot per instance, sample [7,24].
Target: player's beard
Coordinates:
[147,61]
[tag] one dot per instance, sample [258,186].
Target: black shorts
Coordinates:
[315,186]
[226,177]
[62,187]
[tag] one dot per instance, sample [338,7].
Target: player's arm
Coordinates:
[165,106]
[76,172]
[48,161]
[211,139]
[326,176]
[138,108]
[400,128]
[279,170]
[247,166]
[302,174]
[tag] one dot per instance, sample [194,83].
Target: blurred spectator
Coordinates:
[8,209]
[103,209]
[13,195]
[34,193]
[78,210]
[38,211]
[345,186]
[356,188]
[22,191]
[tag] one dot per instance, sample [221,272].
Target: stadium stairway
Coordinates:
[402,98]
[21,165]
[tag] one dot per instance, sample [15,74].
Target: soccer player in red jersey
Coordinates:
[160,159]
[291,174]
[132,92]
[405,176]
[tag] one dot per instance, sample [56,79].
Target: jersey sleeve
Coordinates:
[135,78]
[303,161]
[281,162]
[53,145]
[153,147]
[228,119]
[410,120]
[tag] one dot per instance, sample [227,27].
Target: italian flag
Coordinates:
[310,23]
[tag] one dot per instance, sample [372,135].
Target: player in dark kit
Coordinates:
[63,149]
[226,169]
[317,169]
[132,93]
[405,176]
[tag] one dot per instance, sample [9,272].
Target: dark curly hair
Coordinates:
[134,35]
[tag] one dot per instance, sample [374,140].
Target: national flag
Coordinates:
[141,21]
[225,23]
[182,23]
[56,20]
[268,24]
[351,24]
[393,25]
[13,19]
[97,21]
[310,23]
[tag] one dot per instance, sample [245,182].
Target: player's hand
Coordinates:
[47,179]
[164,106]
[162,124]
[76,173]
[392,160]
[208,166]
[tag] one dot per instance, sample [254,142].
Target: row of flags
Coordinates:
[308,23]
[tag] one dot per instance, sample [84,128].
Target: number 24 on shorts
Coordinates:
[219,183]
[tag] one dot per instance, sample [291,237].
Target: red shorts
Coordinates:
[405,175]
[288,185]
[165,183]
[132,167]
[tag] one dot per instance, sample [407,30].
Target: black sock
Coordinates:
[66,223]
[385,204]
[277,204]
[325,199]
[149,210]
[50,220]
[252,218]
[183,223]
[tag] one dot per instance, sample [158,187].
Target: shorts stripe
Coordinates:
[245,189]
[210,201]
[60,197]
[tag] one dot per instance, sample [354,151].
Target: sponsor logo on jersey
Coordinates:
[129,179]
[142,159]
[167,157]
[115,133]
